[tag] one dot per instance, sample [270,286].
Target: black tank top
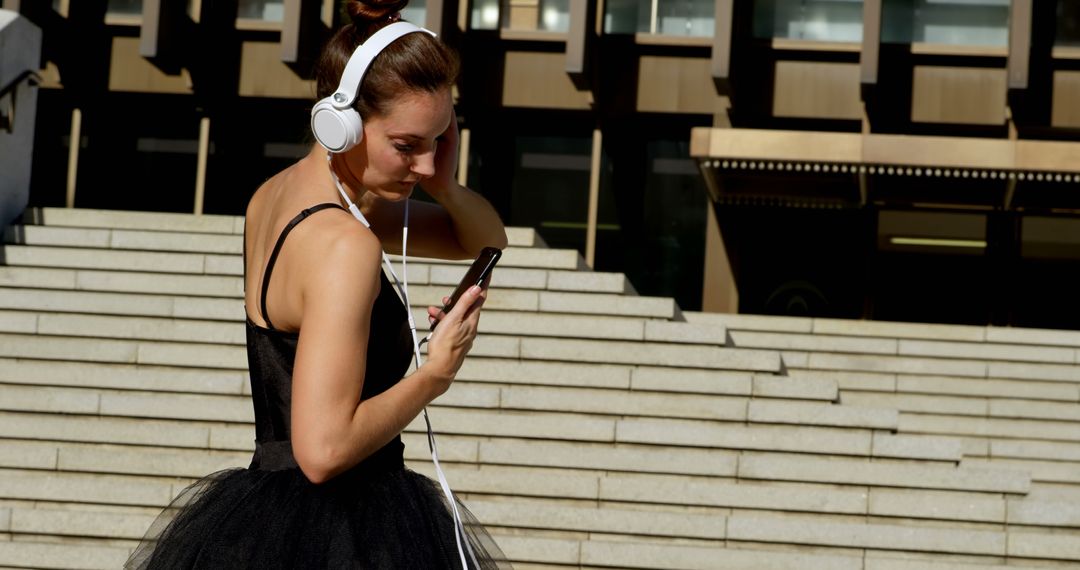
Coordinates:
[271,353]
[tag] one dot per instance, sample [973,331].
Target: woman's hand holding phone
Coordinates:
[454,337]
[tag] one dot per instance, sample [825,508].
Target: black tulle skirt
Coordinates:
[251,518]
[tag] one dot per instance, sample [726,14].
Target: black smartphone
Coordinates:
[476,275]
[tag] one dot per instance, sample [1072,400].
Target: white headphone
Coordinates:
[337,126]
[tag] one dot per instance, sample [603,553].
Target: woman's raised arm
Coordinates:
[332,429]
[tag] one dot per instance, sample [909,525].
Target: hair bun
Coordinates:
[364,12]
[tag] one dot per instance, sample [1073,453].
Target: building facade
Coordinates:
[888,159]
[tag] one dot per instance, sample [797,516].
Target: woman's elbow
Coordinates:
[318,467]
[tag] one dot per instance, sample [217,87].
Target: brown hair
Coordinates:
[414,62]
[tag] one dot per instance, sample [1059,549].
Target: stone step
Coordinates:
[788,529]
[69,522]
[33,372]
[881,473]
[979,407]
[183,223]
[124,219]
[150,378]
[891,330]
[535,514]
[642,554]
[1031,449]
[601,402]
[620,457]
[206,355]
[897,365]
[233,286]
[206,429]
[593,326]
[127,304]
[152,239]
[1065,472]
[781,438]
[950,390]
[902,347]
[86,257]
[994,428]
[421,296]
[93,429]
[894,537]
[843,327]
[599,552]
[49,452]
[490,451]
[730,493]
[494,322]
[150,261]
[86,488]
[881,561]
[21,554]
[610,519]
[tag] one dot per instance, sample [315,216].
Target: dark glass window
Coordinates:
[656,233]
[1068,23]
[664,17]
[543,15]
[550,187]
[950,22]
[124,6]
[268,10]
[138,165]
[818,20]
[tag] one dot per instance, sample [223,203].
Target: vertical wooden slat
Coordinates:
[577,38]
[200,169]
[1020,19]
[150,30]
[594,198]
[290,30]
[301,29]
[720,64]
[75,141]
[162,26]
[871,42]
[464,140]
[434,16]
[719,293]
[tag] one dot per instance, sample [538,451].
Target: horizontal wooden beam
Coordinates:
[886,150]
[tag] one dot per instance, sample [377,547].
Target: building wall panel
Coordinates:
[1066,106]
[263,74]
[677,85]
[817,90]
[129,71]
[539,80]
[959,95]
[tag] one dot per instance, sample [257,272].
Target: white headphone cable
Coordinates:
[460,536]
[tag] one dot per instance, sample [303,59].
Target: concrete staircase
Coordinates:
[590,427]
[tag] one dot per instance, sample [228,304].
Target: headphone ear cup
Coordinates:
[337,130]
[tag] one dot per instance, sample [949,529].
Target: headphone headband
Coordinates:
[361,59]
[335,124]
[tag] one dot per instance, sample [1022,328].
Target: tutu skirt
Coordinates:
[366,518]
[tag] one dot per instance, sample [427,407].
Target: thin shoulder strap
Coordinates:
[277,249]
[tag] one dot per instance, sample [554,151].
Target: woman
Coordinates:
[328,341]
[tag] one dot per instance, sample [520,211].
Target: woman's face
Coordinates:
[398,148]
